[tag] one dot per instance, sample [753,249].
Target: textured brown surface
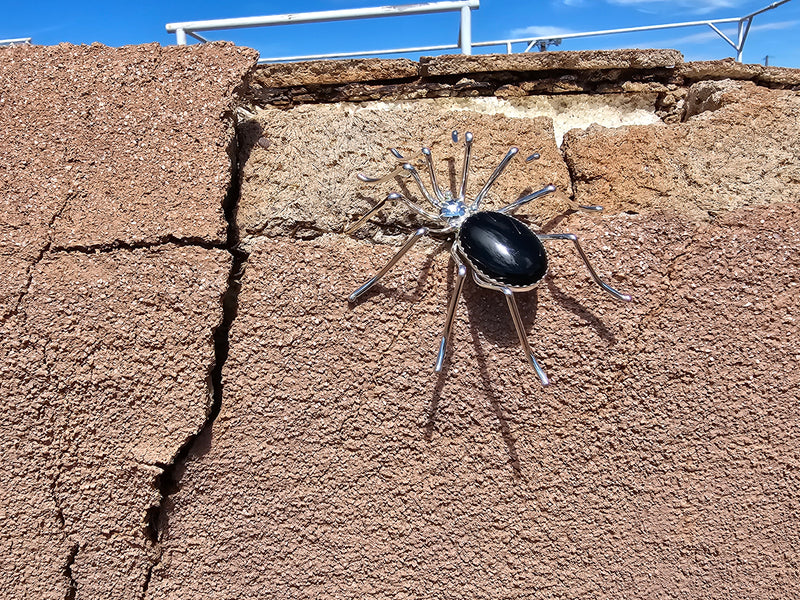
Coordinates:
[105,356]
[107,144]
[304,182]
[662,461]
[456,64]
[740,150]
[321,72]
[730,69]
[103,378]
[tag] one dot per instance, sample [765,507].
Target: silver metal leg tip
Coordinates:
[626,297]
[352,298]
[440,356]
[543,377]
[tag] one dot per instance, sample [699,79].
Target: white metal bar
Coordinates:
[12,41]
[743,37]
[565,36]
[197,36]
[325,16]
[465,32]
[346,54]
[723,36]
[765,9]
[742,22]
[465,42]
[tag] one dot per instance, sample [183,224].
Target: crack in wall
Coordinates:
[72,584]
[142,244]
[168,482]
[44,251]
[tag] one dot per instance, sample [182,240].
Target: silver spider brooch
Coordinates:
[502,253]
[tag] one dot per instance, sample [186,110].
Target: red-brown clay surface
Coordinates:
[112,144]
[104,376]
[105,357]
[661,462]
[737,148]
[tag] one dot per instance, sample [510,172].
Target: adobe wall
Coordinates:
[192,408]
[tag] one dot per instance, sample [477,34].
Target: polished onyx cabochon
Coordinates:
[502,249]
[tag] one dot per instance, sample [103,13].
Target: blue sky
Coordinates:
[773,34]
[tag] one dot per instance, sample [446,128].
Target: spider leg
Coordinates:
[398,170]
[523,338]
[360,223]
[548,189]
[573,238]
[411,170]
[426,152]
[518,324]
[538,194]
[461,273]
[465,168]
[497,172]
[394,196]
[406,169]
[413,239]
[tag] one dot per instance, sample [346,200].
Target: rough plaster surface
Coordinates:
[322,72]
[106,348]
[304,182]
[111,144]
[566,110]
[592,60]
[104,377]
[662,462]
[739,149]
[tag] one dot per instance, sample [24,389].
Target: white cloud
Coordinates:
[536,31]
[691,6]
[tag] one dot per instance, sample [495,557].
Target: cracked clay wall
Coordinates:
[113,264]
[192,409]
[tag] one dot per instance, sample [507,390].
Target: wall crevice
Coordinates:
[168,482]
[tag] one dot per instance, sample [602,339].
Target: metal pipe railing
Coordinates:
[181,30]
[465,43]
[743,30]
[15,41]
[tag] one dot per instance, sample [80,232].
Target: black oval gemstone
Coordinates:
[503,249]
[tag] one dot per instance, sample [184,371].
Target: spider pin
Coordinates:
[502,253]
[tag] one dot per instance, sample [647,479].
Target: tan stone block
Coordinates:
[588,60]
[331,72]
[728,68]
[741,151]
[304,183]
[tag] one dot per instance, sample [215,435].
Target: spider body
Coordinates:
[502,253]
[502,250]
